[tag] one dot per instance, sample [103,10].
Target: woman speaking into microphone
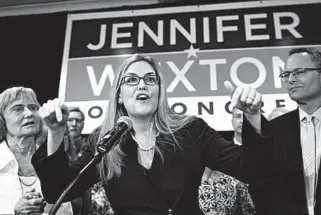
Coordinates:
[155,168]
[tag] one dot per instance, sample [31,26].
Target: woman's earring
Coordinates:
[120,101]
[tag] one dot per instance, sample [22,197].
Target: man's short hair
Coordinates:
[76,109]
[313,52]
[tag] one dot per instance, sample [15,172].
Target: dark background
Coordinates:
[32,47]
[31,52]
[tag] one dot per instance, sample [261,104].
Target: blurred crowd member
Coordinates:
[75,141]
[277,112]
[222,194]
[101,204]
[74,146]
[237,122]
[21,132]
[95,201]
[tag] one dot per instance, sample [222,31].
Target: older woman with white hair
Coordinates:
[21,133]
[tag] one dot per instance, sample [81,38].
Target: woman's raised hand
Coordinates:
[245,98]
[55,114]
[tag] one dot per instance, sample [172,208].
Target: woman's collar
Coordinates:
[6,157]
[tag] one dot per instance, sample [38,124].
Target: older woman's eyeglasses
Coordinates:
[297,73]
[134,80]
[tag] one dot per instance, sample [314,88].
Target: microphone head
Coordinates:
[126,120]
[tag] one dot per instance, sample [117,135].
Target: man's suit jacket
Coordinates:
[281,188]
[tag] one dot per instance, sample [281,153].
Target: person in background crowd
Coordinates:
[222,194]
[237,122]
[277,112]
[95,201]
[290,177]
[157,167]
[21,133]
[75,142]
[74,146]
[101,204]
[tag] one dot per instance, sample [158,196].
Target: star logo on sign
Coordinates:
[191,51]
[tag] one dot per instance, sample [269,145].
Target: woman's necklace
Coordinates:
[28,184]
[141,147]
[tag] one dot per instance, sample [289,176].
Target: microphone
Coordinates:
[110,139]
[106,143]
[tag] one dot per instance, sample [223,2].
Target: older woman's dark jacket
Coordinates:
[171,183]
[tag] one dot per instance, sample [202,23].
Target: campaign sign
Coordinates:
[198,48]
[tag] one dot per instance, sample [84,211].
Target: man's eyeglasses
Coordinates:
[297,73]
[134,80]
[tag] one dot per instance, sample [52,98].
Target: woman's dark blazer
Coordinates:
[172,181]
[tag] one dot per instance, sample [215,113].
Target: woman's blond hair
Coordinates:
[164,121]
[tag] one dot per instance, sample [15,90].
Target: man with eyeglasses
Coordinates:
[290,179]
